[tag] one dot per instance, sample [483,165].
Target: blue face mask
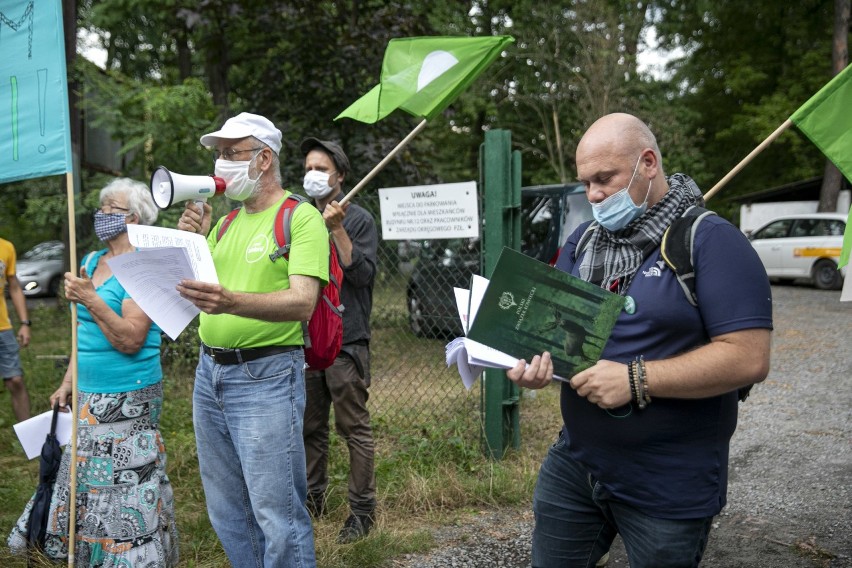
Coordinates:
[618,210]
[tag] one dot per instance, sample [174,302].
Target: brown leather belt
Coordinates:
[225,356]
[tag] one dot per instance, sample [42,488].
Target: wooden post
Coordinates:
[380,166]
[747,159]
[75,412]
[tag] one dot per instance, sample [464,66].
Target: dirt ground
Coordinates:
[790,488]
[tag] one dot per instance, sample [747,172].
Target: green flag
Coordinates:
[827,120]
[422,75]
[847,243]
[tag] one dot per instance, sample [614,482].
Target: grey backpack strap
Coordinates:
[677,249]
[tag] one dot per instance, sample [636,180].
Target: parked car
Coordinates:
[549,214]
[40,269]
[803,246]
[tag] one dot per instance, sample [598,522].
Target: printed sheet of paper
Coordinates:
[143,236]
[846,293]
[33,431]
[151,274]
[151,277]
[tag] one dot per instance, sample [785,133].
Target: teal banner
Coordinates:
[35,133]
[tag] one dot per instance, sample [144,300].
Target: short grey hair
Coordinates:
[139,198]
[276,161]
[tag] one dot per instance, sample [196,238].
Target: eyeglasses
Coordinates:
[229,153]
[107,209]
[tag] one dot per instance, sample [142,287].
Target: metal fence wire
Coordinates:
[414,316]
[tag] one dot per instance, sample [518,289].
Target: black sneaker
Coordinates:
[355,528]
[316,504]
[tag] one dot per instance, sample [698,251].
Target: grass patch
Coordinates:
[430,469]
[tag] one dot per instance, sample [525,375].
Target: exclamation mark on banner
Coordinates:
[42,106]
[14,84]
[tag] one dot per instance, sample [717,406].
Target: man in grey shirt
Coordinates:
[345,383]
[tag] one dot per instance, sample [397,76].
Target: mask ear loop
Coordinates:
[256,154]
[647,193]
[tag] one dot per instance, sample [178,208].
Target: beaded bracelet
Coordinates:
[642,384]
[645,381]
[631,373]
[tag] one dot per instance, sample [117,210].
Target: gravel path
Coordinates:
[790,489]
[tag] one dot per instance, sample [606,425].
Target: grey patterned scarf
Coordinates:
[616,256]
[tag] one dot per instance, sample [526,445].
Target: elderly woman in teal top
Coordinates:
[125,504]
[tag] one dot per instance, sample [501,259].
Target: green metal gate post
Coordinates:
[500,177]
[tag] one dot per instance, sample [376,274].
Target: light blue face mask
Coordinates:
[618,210]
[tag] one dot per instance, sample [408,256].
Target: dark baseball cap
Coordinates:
[333,149]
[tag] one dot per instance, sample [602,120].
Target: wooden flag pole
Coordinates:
[747,159]
[380,166]
[72,492]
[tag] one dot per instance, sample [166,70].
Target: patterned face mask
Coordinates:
[109,225]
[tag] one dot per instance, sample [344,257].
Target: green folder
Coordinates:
[530,307]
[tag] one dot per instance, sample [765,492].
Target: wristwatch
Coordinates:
[27,322]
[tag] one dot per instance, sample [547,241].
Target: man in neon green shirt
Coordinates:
[249,396]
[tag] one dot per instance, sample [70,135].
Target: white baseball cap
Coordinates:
[246,124]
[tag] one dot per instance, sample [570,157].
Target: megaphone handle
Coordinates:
[200,203]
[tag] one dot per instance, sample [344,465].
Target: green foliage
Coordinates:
[33,211]
[158,124]
[181,355]
[177,68]
[749,66]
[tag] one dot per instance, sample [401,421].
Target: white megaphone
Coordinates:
[168,187]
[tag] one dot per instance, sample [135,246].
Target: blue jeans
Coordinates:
[248,428]
[576,520]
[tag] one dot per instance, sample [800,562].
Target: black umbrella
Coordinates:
[51,455]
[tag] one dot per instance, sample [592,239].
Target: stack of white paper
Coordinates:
[469,356]
[472,357]
[150,275]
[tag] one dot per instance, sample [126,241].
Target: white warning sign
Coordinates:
[445,211]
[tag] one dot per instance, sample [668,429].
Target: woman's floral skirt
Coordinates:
[125,504]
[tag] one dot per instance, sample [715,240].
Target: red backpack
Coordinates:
[324,332]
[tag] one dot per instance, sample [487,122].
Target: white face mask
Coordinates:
[238,185]
[316,184]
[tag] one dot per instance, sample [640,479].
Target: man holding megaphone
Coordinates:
[249,395]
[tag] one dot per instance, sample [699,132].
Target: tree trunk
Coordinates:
[633,23]
[184,56]
[216,64]
[832,180]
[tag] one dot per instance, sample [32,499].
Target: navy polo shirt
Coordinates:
[671,459]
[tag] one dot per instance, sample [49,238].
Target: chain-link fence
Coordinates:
[414,316]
